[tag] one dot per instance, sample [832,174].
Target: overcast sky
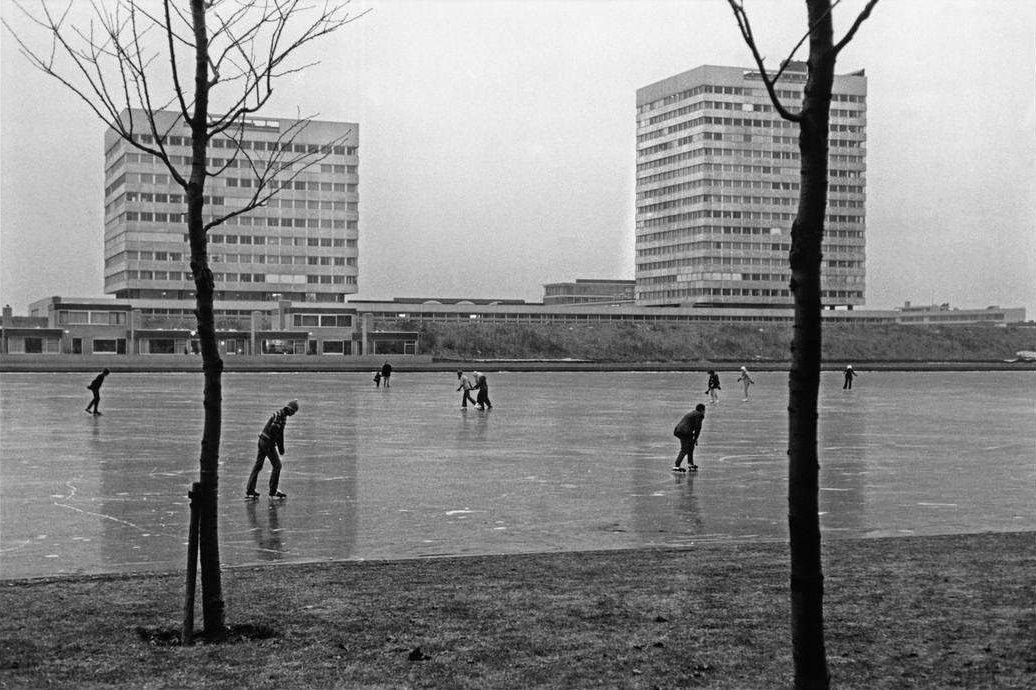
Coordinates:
[497,144]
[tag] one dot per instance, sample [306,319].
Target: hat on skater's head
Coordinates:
[744,369]
[849,367]
[293,406]
[106,370]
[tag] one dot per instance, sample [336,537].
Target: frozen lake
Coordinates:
[565,461]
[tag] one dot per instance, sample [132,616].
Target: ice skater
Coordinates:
[95,386]
[712,387]
[377,379]
[688,429]
[849,376]
[482,386]
[745,380]
[271,440]
[465,385]
[386,373]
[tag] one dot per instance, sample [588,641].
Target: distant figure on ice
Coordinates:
[377,379]
[482,386]
[745,381]
[386,373]
[712,388]
[95,386]
[465,385]
[688,429]
[271,440]
[849,376]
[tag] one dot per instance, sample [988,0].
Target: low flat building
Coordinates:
[105,326]
[943,315]
[589,291]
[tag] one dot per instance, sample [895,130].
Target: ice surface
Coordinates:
[564,461]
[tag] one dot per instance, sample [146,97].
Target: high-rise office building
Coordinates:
[718,185]
[301,246]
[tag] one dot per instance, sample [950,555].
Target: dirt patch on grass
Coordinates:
[928,612]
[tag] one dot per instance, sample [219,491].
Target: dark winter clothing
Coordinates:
[271,441]
[688,429]
[482,398]
[849,376]
[95,386]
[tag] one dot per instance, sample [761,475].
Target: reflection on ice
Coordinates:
[564,462]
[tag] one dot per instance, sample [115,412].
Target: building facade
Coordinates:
[118,331]
[300,246]
[103,326]
[589,291]
[718,183]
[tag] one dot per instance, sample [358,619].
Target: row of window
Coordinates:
[676,294]
[704,245]
[698,231]
[34,345]
[252,144]
[741,184]
[285,259]
[248,220]
[274,240]
[161,217]
[162,179]
[279,278]
[706,260]
[132,157]
[703,120]
[297,185]
[739,153]
[322,320]
[705,168]
[743,91]
[741,200]
[723,105]
[770,216]
[104,318]
[259,294]
[740,138]
[259,259]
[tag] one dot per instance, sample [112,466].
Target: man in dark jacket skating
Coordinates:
[688,429]
[271,440]
[95,387]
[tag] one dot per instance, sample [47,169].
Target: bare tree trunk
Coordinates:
[212,365]
[807,232]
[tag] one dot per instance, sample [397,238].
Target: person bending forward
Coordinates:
[271,440]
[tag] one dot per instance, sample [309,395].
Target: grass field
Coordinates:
[937,612]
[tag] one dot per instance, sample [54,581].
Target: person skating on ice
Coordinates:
[95,387]
[745,380]
[465,385]
[482,386]
[386,373]
[849,376]
[271,441]
[712,387]
[688,429]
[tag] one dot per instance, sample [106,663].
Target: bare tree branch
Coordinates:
[860,19]
[746,32]
[172,64]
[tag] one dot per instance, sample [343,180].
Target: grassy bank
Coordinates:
[953,611]
[643,342]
